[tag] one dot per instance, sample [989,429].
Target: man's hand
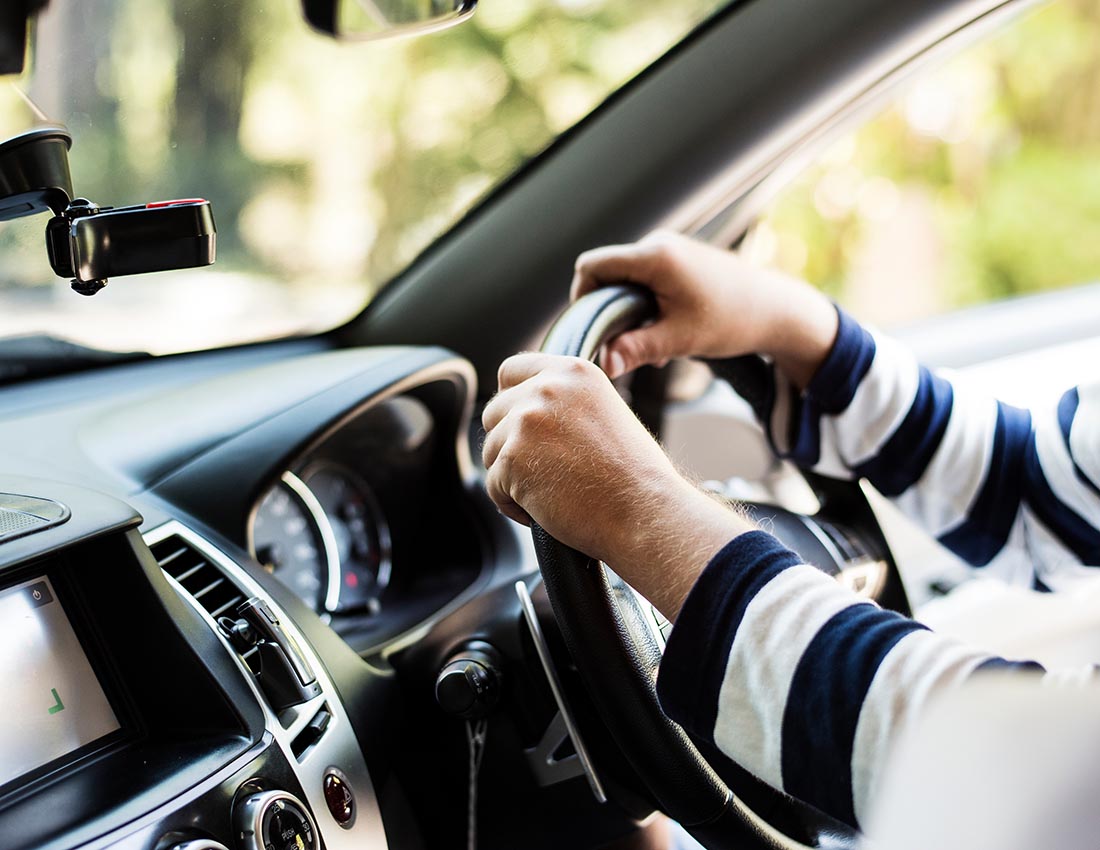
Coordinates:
[712,304]
[563,448]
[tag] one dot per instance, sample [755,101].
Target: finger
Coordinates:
[520,367]
[628,351]
[515,512]
[494,442]
[612,264]
[498,407]
[494,486]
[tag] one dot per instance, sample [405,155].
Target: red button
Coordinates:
[158,204]
[339,799]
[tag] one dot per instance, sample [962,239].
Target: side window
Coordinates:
[980,182]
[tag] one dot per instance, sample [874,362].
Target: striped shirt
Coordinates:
[807,685]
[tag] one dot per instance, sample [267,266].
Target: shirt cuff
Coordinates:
[694,665]
[834,385]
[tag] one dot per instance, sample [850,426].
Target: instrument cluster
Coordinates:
[324,528]
[323,535]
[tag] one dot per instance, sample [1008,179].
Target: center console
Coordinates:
[137,715]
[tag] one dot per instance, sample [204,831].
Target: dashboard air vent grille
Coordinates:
[202,579]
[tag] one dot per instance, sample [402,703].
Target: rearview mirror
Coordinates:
[361,20]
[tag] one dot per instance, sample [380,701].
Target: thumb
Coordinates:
[640,347]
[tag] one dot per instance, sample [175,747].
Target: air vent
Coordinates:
[203,580]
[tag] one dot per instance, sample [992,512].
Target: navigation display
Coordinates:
[54,703]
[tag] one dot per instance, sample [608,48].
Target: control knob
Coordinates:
[274,820]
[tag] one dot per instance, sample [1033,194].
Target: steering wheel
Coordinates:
[610,635]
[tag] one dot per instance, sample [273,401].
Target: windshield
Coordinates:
[329,166]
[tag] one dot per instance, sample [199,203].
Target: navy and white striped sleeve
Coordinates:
[973,471]
[797,679]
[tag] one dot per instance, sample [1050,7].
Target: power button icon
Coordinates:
[38,594]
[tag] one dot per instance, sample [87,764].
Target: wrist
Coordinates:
[803,337]
[666,542]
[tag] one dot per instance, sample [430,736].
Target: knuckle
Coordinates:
[547,393]
[664,252]
[661,236]
[577,368]
[533,419]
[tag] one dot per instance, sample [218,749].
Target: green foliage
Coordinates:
[996,152]
[1034,226]
[328,165]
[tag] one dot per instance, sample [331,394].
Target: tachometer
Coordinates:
[289,541]
[361,535]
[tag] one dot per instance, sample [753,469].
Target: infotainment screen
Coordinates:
[53,702]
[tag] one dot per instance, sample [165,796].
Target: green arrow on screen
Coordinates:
[58,704]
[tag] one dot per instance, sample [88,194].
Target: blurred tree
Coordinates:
[1003,145]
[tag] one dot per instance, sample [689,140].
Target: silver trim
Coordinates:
[543,651]
[871,572]
[864,578]
[249,818]
[824,540]
[547,769]
[328,537]
[338,746]
[652,618]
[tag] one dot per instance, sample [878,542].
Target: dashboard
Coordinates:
[204,570]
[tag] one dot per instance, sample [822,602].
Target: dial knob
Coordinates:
[469,683]
[274,820]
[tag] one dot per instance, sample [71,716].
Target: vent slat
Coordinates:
[167,559]
[203,581]
[214,585]
[232,603]
[186,574]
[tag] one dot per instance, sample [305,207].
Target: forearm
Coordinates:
[798,680]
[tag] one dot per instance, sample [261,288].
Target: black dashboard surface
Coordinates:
[188,446]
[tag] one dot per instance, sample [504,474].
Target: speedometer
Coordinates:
[288,541]
[361,535]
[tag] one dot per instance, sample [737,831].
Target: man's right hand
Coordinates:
[712,304]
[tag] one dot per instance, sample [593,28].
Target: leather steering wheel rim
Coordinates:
[618,674]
